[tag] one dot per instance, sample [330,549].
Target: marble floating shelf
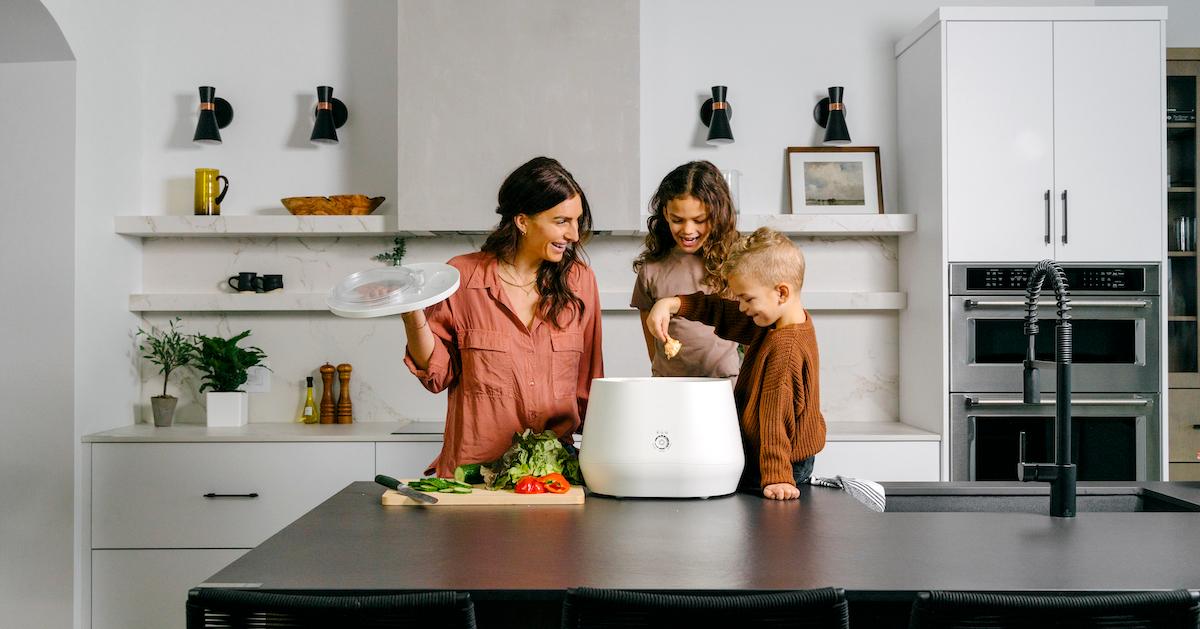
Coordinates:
[831,224]
[162,226]
[147,226]
[282,301]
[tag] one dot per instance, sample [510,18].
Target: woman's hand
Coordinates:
[659,317]
[781,491]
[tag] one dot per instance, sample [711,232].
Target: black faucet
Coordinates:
[1061,473]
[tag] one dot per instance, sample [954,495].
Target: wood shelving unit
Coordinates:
[1183,266]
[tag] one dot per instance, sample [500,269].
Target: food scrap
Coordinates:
[671,347]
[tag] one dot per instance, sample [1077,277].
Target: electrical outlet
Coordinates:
[258,379]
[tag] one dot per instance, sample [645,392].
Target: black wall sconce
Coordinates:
[331,115]
[831,114]
[215,114]
[715,114]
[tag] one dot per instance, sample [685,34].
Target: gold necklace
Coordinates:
[526,288]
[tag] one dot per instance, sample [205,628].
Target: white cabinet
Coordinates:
[880,460]
[999,138]
[408,459]
[1053,140]
[166,516]
[148,587]
[213,495]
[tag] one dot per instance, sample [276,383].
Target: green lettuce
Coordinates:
[531,454]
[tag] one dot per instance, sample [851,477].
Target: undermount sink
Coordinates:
[1029,500]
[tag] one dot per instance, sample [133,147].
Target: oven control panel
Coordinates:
[1096,279]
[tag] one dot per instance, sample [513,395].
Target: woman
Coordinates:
[519,343]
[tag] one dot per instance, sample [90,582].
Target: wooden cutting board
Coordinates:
[481,496]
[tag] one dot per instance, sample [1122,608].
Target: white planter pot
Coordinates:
[227,409]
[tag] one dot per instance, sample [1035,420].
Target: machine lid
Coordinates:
[393,290]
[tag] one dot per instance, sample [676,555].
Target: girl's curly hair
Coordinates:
[703,181]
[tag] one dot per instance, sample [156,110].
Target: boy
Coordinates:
[777,389]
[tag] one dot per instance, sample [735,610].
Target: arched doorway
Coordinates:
[37,270]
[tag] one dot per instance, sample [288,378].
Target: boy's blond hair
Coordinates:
[766,256]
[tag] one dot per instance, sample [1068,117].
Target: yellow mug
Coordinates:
[208,199]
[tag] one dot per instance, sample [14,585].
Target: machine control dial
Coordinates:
[662,442]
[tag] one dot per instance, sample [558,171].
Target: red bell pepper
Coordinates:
[529,485]
[555,483]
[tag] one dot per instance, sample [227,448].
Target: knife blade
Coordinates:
[405,490]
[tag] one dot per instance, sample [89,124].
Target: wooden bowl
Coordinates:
[337,205]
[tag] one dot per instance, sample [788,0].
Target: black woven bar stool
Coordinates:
[1176,609]
[233,609]
[590,608]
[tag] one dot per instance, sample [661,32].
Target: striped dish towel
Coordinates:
[867,492]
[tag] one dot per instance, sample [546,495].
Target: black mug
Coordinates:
[243,282]
[270,282]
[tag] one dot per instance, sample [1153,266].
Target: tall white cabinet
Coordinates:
[1053,133]
[1024,133]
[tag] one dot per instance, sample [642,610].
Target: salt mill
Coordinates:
[345,412]
[327,415]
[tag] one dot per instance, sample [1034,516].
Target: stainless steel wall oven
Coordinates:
[1116,378]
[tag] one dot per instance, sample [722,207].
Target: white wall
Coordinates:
[778,58]
[266,58]
[37,339]
[1183,19]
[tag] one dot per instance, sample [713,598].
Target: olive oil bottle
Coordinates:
[308,413]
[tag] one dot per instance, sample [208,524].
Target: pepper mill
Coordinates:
[327,415]
[345,412]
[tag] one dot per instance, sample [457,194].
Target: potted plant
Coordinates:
[170,349]
[223,366]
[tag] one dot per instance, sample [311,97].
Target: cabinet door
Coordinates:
[880,460]
[999,140]
[1184,426]
[1108,141]
[148,588]
[407,459]
[199,495]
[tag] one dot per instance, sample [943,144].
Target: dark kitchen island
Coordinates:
[517,561]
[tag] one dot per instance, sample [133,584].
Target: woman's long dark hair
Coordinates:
[534,187]
[705,182]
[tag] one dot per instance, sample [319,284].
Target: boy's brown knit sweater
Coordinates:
[777,391]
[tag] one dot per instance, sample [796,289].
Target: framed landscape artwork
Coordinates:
[835,180]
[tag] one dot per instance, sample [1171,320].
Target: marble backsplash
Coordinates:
[859,380]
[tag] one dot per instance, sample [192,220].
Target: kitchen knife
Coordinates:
[405,490]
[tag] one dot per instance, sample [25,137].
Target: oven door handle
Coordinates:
[984,401]
[1075,303]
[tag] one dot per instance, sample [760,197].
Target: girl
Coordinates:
[692,227]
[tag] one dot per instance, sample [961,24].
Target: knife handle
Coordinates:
[387,481]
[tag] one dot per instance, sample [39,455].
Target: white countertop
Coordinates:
[274,431]
[418,430]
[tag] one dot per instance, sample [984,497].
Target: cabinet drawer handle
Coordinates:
[1047,197]
[1064,200]
[213,495]
[1195,426]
